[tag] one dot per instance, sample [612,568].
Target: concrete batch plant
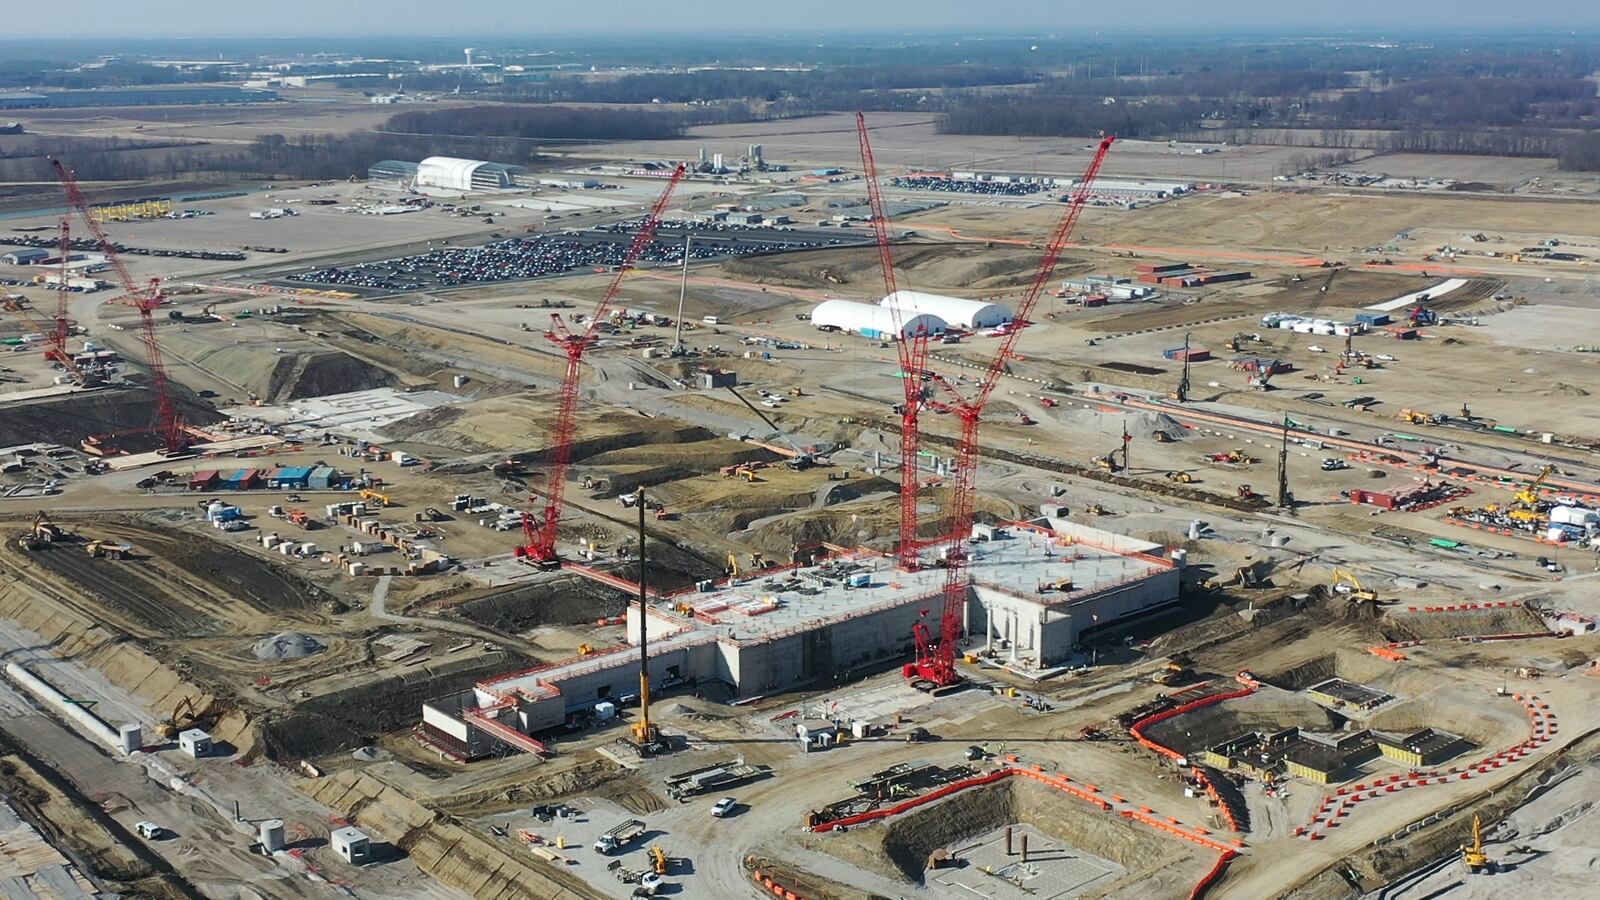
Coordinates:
[1036,588]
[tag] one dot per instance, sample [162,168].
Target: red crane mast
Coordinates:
[540,546]
[58,334]
[174,437]
[913,352]
[936,661]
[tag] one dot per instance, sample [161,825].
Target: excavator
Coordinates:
[42,532]
[1348,584]
[1473,858]
[1180,477]
[183,718]
[1413,417]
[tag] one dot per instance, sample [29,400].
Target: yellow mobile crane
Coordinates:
[1529,496]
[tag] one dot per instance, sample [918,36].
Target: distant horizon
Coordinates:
[620,19]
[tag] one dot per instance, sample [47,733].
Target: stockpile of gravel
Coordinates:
[288,645]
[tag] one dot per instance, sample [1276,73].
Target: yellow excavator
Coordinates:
[658,859]
[182,718]
[1473,858]
[1348,584]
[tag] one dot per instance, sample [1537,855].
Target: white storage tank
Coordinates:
[272,835]
[131,736]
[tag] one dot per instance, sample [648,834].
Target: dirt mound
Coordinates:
[288,645]
[1562,389]
[68,420]
[317,374]
[520,424]
[564,601]
[1405,626]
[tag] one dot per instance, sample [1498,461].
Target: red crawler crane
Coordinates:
[174,437]
[936,662]
[540,546]
[58,333]
[913,352]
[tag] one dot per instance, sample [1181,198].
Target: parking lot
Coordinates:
[519,259]
[952,186]
[593,817]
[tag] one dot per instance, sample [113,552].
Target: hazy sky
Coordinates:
[516,18]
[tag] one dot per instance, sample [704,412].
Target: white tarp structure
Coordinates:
[957,312]
[872,321]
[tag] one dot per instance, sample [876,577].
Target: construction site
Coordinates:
[1145,540]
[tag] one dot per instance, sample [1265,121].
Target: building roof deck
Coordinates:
[771,605]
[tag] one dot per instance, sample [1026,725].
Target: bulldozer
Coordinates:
[1348,584]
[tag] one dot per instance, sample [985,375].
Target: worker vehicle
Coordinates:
[1348,584]
[723,808]
[108,550]
[658,862]
[1414,417]
[380,499]
[1049,402]
[1180,477]
[1334,464]
[1246,492]
[150,831]
[619,837]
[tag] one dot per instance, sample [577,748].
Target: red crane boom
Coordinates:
[936,661]
[913,352]
[540,546]
[58,334]
[174,438]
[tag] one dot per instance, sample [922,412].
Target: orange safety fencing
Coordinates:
[1205,884]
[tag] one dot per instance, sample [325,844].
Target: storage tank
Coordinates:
[272,835]
[131,737]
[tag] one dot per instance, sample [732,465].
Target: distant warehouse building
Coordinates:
[452,174]
[868,320]
[956,312]
[398,171]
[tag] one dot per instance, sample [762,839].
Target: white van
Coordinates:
[711,320]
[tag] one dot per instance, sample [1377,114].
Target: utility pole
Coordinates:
[1284,500]
[683,288]
[643,731]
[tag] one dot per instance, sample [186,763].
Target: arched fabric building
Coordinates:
[959,313]
[451,174]
[871,321]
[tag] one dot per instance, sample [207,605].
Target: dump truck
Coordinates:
[108,550]
[619,837]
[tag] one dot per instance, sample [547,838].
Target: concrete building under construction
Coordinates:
[1036,588]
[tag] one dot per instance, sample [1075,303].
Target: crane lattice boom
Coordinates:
[913,352]
[174,437]
[936,661]
[540,546]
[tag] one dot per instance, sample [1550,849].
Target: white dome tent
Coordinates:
[872,321]
[955,311]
